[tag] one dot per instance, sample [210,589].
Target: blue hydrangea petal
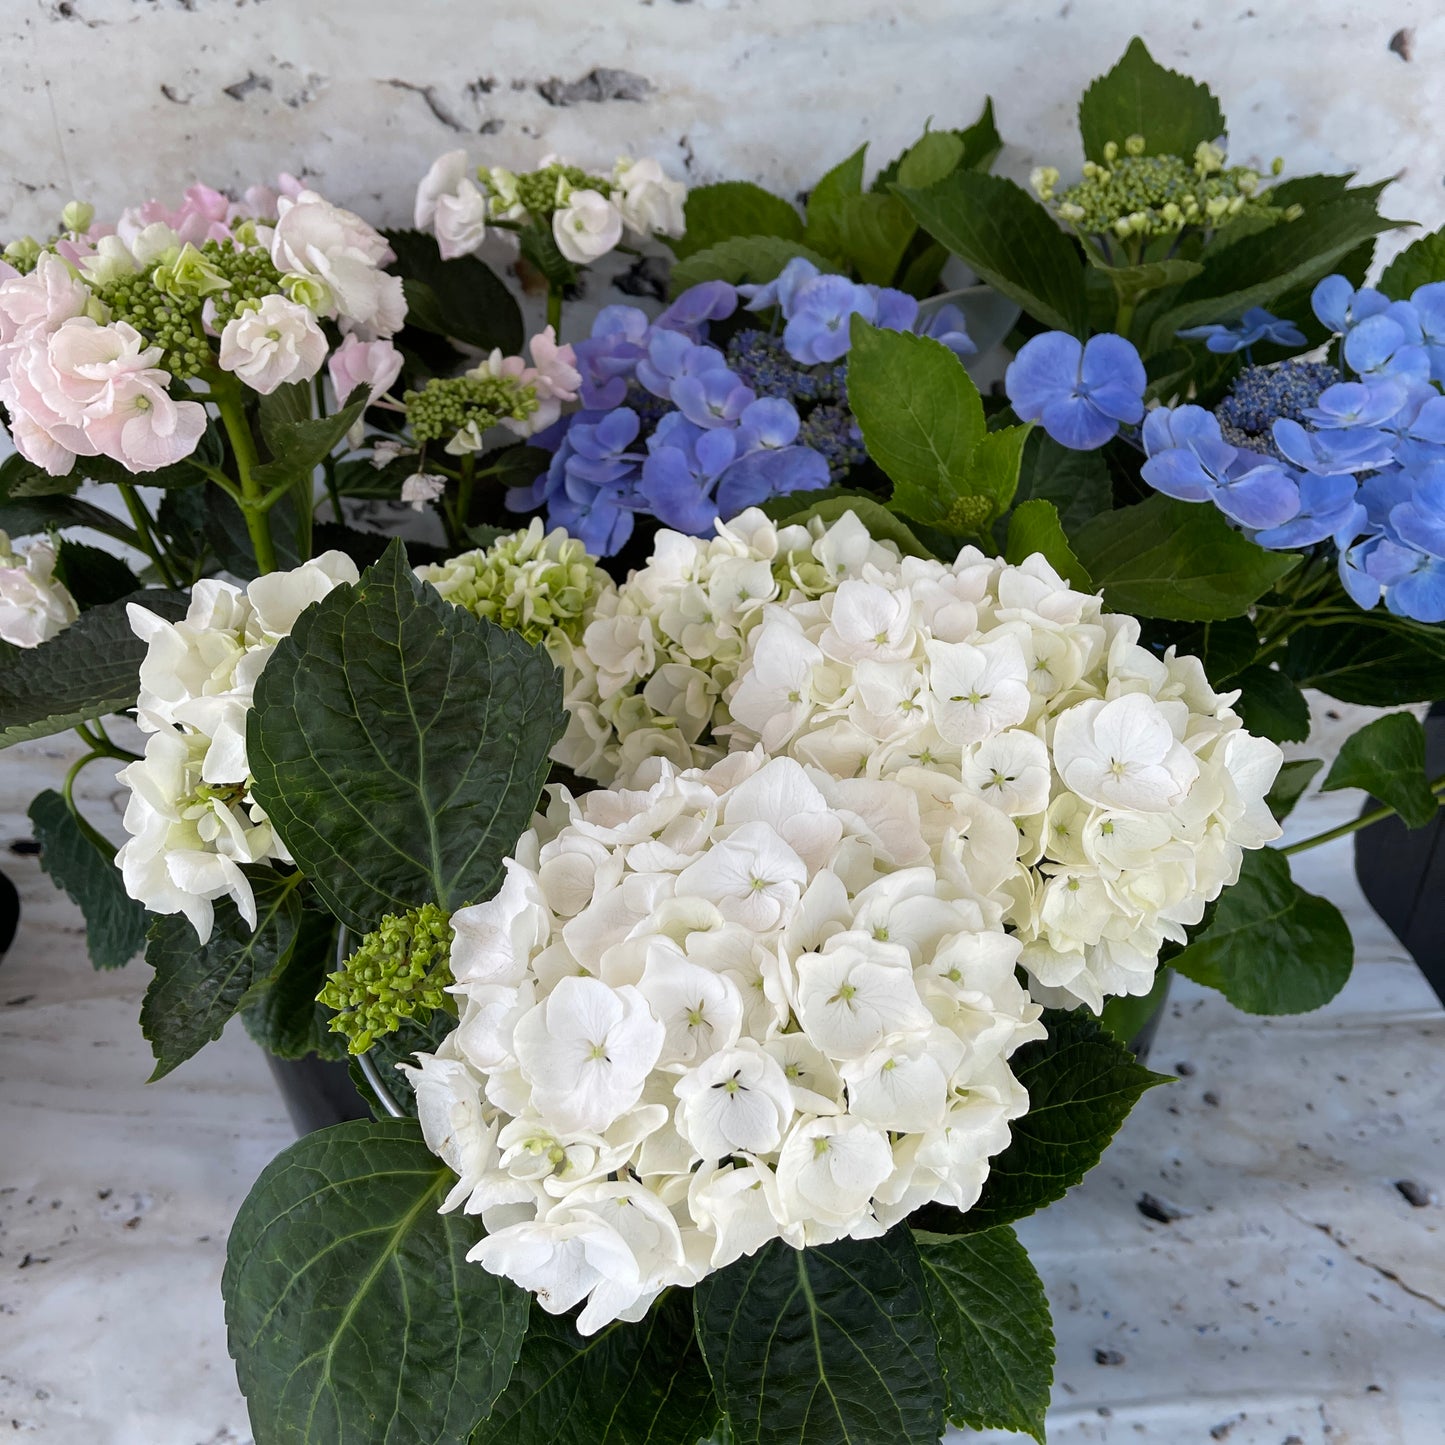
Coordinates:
[1178,473]
[1075,422]
[1045,369]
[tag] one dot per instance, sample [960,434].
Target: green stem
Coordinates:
[67,788]
[144,534]
[554,310]
[1375,815]
[464,497]
[228,399]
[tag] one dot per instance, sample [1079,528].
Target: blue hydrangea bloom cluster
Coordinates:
[687,429]
[1298,454]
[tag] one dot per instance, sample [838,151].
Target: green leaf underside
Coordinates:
[1387,759]
[1082,1082]
[828,198]
[1271,705]
[88,671]
[1176,560]
[1419,264]
[1001,232]
[25,516]
[351,1311]
[84,866]
[743,258]
[399,745]
[92,576]
[995,1335]
[199,986]
[1140,97]
[1034,527]
[638,1384]
[734,208]
[1290,784]
[825,1345]
[1270,947]
[1377,660]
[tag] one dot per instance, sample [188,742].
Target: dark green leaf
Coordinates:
[1140,97]
[1034,527]
[1289,786]
[995,1335]
[88,671]
[25,516]
[21,478]
[1126,1015]
[181,521]
[882,525]
[1132,282]
[463,299]
[1077,483]
[228,538]
[981,140]
[81,862]
[1176,560]
[177,476]
[743,258]
[873,233]
[1420,263]
[414,1036]
[828,198]
[993,469]
[283,1016]
[923,423]
[399,745]
[932,156]
[1082,1082]
[91,576]
[640,1384]
[1378,660]
[1225,648]
[1261,267]
[1271,705]
[297,442]
[540,249]
[826,1345]
[351,1311]
[199,986]
[734,208]
[1387,759]
[1270,947]
[1009,239]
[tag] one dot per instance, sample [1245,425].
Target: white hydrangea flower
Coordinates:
[191,817]
[34,604]
[711,1009]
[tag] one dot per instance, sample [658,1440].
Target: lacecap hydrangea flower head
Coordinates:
[191,819]
[104,328]
[698,414]
[712,1009]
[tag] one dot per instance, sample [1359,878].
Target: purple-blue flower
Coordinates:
[1386,345]
[1190,461]
[821,310]
[1080,393]
[711,398]
[948,326]
[1254,326]
[1327,508]
[1330,453]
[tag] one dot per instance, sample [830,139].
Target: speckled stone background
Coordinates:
[1296,1297]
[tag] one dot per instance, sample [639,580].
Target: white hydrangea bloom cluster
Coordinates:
[667,644]
[1101,793]
[715,1008]
[34,604]
[191,818]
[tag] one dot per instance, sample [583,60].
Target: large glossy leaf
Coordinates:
[92,576]
[1387,759]
[734,208]
[995,1334]
[1377,660]
[281,1012]
[83,864]
[1140,97]
[351,1311]
[1289,785]
[1271,705]
[1420,263]
[1177,560]
[1009,239]
[399,745]
[640,1384]
[25,516]
[1082,1082]
[826,1345]
[463,298]
[1034,527]
[1268,946]
[89,670]
[198,986]
[827,200]
[1077,483]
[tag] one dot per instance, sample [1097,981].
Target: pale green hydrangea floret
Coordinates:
[398,971]
[543,585]
[1133,194]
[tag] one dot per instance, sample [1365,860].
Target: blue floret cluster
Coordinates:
[1298,454]
[688,429]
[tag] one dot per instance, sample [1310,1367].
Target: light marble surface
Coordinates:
[1298,1300]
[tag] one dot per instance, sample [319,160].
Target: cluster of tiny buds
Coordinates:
[447,405]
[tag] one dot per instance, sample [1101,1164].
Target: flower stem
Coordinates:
[1375,815]
[145,534]
[228,400]
[554,310]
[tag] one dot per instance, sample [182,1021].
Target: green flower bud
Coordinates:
[1043,179]
[308,291]
[24,253]
[77,216]
[190,274]
[1111,152]
[1134,145]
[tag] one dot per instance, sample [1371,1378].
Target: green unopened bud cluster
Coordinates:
[541,192]
[399,971]
[1133,194]
[541,585]
[472,403]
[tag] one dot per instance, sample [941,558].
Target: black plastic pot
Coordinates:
[9,914]
[317,1092]
[1135,1021]
[1402,870]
